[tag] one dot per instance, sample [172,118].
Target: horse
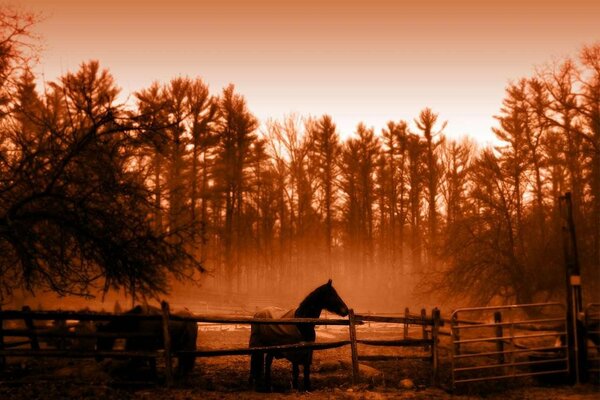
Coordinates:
[183,337]
[323,297]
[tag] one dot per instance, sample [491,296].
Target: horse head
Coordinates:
[331,300]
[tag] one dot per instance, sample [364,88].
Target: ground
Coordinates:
[227,377]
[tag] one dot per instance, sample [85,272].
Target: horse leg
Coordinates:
[179,369]
[306,370]
[295,374]
[257,368]
[268,363]
[185,364]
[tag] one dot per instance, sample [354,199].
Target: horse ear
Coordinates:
[329,282]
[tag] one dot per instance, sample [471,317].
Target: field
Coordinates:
[227,377]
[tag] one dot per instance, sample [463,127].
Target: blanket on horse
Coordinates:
[276,334]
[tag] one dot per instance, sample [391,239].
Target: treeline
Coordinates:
[269,209]
[386,212]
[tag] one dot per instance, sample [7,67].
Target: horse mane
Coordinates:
[308,304]
[310,308]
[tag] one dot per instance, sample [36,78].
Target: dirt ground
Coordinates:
[227,377]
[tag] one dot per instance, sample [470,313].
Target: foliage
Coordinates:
[73,209]
[94,190]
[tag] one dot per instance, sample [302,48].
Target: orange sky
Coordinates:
[369,61]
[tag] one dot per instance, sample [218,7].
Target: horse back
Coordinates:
[183,333]
[274,334]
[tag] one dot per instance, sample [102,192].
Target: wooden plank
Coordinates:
[71,315]
[395,343]
[91,316]
[77,353]
[9,345]
[260,321]
[413,319]
[392,357]
[250,350]
[48,332]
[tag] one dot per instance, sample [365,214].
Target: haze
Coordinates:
[355,60]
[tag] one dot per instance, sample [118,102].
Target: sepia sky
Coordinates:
[370,61]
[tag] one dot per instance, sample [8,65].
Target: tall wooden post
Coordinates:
[406,315]
[2,358]
[499,335]
[424,327]
[167,343]
[353,347]
[35,345]
[435,330]
[455,334]
[575,341]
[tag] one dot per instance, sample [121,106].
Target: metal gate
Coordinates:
[592,329]
[494,343]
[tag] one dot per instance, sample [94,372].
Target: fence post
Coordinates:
[167,342]
[435,329]
[406,314]
[424,327]
[499,335]
[455,334]
[35,345]
[2,358]
[352,326]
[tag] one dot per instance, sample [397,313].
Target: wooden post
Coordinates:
[499,335]
[35,345]
[435,329]
[575,342]
[424,327]
[167,341]
[455,334]
[406,314]
[2,358]
[353,347]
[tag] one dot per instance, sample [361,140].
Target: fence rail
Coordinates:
[68,321]
[507,348]
[592,325]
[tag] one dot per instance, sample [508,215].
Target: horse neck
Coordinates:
[309,309]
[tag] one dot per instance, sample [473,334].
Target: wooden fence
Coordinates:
[64,331]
